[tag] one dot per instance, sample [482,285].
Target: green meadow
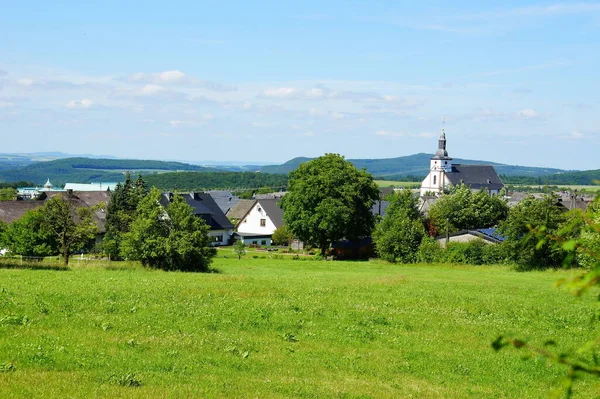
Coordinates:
[280,328]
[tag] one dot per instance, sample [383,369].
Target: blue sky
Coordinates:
[516,82]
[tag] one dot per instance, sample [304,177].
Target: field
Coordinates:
[404,184]
[275,328]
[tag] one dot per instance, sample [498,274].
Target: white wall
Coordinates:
[226,236]
[251,223]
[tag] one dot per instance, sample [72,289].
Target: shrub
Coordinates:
[429,251]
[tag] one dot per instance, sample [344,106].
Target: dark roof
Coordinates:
[379,207]
[492,232]
[89,199]
[224,199]
[273,211]
[14,210]
[240,209]
[475,176]
[205,207]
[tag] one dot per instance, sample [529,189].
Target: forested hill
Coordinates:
[414,165]
[199,181]
[87,170]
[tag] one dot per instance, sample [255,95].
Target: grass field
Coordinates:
[404,184]
[283,328]
[590,188]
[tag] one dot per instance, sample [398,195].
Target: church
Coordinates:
[443,174]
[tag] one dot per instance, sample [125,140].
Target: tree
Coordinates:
[121,212]
[523,247]
[169,239]
[73,226]
[398,236]
[26,236]
[281,236]
[8,194]
[329,199]
[239,248]
[463,209]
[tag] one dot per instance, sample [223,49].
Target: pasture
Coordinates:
[403,184]
[279,328]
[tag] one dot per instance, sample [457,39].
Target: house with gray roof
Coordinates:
[205,207]
[443,174]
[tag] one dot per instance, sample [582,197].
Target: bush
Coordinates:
[429,251]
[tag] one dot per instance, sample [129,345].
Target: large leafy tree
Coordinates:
[121,212]
[169,239]
[524,248]
[464,209]
[329,199]
[398,236]
[26,236]
[73,226]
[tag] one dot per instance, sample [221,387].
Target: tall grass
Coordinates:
[274,328]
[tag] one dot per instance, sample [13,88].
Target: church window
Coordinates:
[434,180]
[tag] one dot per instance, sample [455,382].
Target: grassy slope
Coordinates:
[283,328]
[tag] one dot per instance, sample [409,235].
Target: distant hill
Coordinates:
[88,170]
[188,181]
[414,165]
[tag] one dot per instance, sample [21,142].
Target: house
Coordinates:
[443,174]
[224,199]
[260,222]
[489,236]
[91,186]
[96,201]
[239,210]
[33,192]
[205,207]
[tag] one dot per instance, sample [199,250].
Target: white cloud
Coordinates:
[402,134]
[527,113]
[25,82]
[175,77]
[85,103]
[573,136]
[150,90]
[279,92]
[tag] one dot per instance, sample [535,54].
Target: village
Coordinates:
[255,221]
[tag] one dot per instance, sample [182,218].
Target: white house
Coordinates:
[260,222]
[443,174]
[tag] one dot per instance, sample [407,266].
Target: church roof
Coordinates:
[475,176]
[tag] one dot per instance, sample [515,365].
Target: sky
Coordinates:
[515,82]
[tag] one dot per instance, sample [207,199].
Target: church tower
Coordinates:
[439,165]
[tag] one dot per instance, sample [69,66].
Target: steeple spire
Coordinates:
[441,152]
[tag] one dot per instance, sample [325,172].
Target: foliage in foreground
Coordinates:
[575,241]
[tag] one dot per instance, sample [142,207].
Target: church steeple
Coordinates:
[441,152]
[441,160]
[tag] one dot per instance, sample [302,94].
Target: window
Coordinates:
[254,242]
[218,238]
[434,180]
[263,242]
[263,222]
